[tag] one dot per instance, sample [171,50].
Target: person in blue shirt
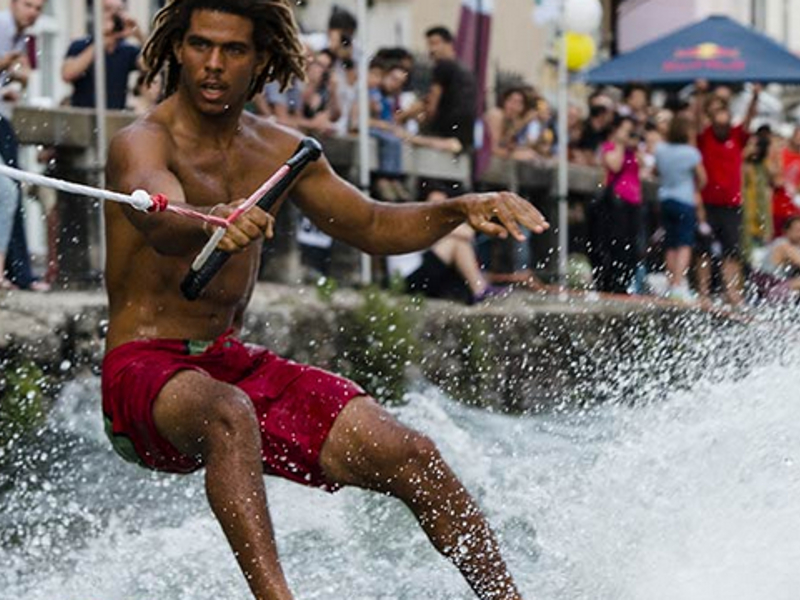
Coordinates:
[680,168]
[122,58]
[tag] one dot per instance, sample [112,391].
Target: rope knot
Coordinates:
[159,203]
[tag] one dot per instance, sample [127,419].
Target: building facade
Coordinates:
[642,21]
[518,45]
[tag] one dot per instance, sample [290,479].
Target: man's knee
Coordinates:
[198,414]
[411,461]
[231,414]
[416,451]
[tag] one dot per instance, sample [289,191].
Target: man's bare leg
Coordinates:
[732,280]
[207,418]
[461,255]
[368,448]
[704,276]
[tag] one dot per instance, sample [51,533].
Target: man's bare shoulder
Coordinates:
[282,139]
[149,134]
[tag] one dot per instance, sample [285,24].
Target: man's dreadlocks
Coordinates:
[275,33]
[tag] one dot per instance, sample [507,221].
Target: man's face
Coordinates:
[514,106]
[438,48]
[721,123]
[317,67]
[340,42]
[219,61]
[796,137]
[793,233]
[26,12]
[437,196]
[394,81]
[111,9]
[637,100]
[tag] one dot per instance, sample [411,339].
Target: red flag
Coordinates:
[30,47]
[472,46]
[472,42]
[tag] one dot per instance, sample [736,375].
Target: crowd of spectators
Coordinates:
[725,196]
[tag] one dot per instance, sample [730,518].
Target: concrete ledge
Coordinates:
[66,127]
[521,353]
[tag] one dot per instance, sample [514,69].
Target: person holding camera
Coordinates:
[122,58]
[616,218]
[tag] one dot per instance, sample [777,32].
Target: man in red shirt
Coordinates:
[722,145]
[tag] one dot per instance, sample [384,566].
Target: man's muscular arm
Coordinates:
[343,212]
[137,159]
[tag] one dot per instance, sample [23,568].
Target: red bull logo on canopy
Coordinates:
[706,56]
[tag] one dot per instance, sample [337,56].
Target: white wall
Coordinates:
[642,21]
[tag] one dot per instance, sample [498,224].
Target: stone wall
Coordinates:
[520,353]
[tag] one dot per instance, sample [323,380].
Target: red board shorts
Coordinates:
[296,404]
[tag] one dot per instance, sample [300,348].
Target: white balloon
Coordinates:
[584,16]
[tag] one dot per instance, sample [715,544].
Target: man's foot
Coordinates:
[6,285]
[39,286]
[401,191]
[683,294]
[491,291]
[386,191]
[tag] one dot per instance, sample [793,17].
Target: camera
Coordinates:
[119,23]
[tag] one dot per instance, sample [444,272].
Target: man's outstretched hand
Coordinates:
[502,213]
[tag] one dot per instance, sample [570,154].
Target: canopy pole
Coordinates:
[100,113]
[100,87]
[363,123]
[563,145]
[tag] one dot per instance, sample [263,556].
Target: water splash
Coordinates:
[694,497]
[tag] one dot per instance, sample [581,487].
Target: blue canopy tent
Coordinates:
[717,49]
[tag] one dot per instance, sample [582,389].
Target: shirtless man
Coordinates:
[180,392]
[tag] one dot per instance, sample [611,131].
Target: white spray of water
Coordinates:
[693,498]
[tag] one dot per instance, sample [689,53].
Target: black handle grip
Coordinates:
[307,152]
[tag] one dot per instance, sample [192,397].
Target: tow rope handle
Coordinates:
[211,259]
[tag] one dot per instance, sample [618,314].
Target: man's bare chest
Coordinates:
[220,178]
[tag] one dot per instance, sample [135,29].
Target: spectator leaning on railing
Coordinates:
[447,114]
[319,99]
[384,95]
[509,125]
